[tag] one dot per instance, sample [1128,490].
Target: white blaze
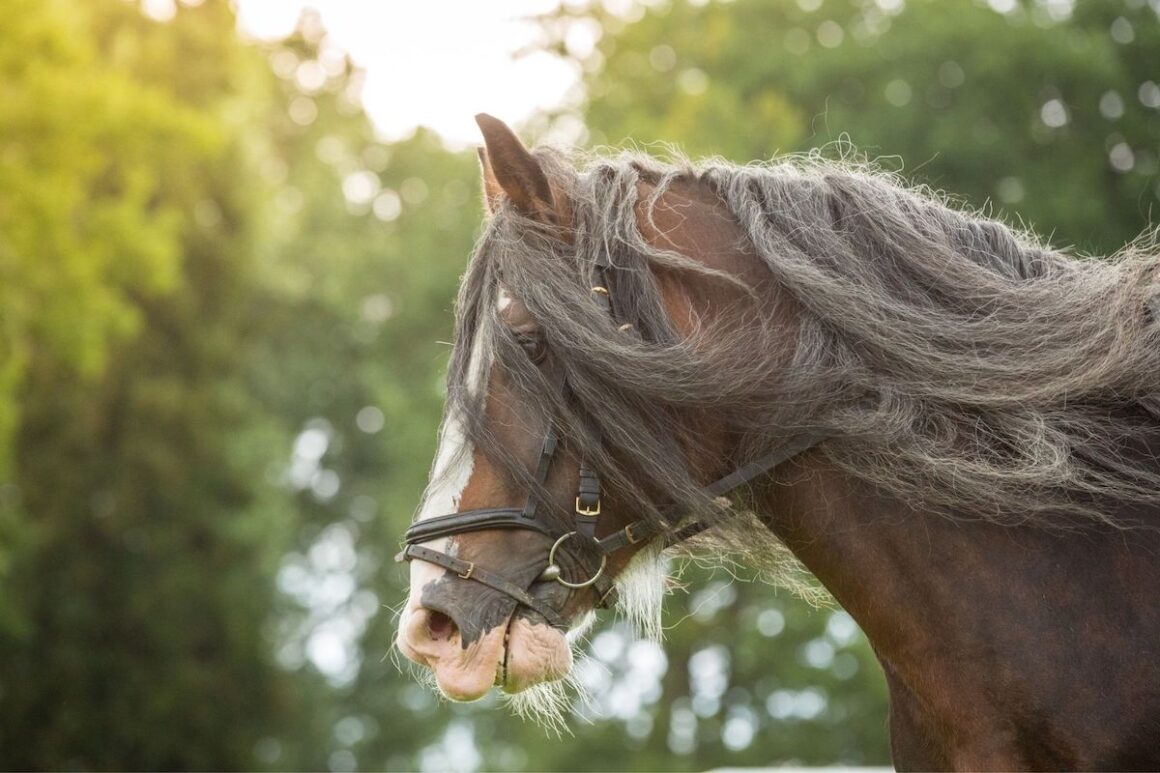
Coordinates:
[454,463]
[450,473]
[455,457]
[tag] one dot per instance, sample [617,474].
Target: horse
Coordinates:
[952,425]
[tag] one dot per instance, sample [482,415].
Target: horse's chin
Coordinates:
[514,657]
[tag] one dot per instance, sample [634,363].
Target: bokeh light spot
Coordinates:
[369,419]
[1111,105]
[303,111]
[662,58]
[771,622]
[830,33]
[898,92]
[1010,190]
[1122,32]
[1149,94]
[388,206]
[693,81]
[950,74]
[1053,113]
[1121,157]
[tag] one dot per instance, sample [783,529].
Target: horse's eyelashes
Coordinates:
[534,345]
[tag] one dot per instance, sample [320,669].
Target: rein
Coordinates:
[585,518]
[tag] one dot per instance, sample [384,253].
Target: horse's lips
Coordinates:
[514,657]
[501,670]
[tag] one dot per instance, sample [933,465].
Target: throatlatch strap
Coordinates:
[641,530]
[743,475]
[469,571]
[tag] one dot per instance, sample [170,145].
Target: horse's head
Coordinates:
[503,565]
[565,443]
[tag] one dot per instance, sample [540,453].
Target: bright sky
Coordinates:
[435,63]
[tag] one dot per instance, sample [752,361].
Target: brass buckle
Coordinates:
[632,538]
[582,510]
[470,568]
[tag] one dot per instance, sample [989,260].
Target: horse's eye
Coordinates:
[533,345]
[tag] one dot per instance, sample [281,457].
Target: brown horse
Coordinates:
[954,427]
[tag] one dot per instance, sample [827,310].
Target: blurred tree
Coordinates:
[1054,117]
[140,541]
[367,242]
[87,149]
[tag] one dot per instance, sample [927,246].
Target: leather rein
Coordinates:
[585,518]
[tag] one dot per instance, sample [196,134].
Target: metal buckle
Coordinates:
[582,510]
[559,578]
[470,568]
[632,538]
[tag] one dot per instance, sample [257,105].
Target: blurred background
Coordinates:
[230,237]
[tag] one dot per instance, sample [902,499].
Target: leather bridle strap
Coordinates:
[475,520]
[642,530]
[547,453]
[469,571]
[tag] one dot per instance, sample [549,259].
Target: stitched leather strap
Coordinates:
[474,520]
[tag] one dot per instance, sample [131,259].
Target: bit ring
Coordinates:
[560,579]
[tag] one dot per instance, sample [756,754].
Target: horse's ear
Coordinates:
[491,187]
[509,169]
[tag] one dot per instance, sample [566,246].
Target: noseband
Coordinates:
[580,543]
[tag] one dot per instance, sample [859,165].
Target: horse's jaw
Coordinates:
[514,656]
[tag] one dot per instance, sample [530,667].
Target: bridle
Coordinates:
[585,516]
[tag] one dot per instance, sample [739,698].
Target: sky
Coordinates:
[436,63]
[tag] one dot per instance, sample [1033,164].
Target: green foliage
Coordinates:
[1049,112]
[139,577]
[367,243]
[87,219]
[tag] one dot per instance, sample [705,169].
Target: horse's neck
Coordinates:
[874,556]
[975,622]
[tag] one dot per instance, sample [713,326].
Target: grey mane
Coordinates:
[957,364]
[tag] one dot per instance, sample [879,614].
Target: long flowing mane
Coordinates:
[957,364]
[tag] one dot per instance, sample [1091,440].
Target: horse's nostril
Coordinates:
[440,627]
